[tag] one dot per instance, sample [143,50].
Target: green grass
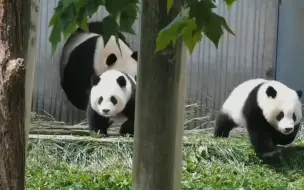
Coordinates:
[208,163]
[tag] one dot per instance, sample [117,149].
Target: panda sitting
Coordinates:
[269,110]
[112,97]
[85,54]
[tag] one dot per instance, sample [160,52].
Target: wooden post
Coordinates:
[159,104]
[32,21]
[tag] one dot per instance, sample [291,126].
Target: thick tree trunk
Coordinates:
[13,46]
[159,104]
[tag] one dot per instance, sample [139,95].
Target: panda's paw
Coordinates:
[278,151]
[100,133]
[273,157]
[126,135]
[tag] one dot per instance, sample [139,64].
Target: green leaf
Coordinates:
[59,6]
[169,5]
[214,30]
[117,18]
[84,24]
[225,25]
[55,35]
[69,30]
[163,40]
[68,17]
[230,2]
[118,44]
[110,24]
[191,41]
[55,18]
[201,11]
[79,4]
[92,7]
[191,35]
[127,18]
[206,21]
[67,3]
[115,6]
[71,14]
[170,33]
[81,15]
[126,28]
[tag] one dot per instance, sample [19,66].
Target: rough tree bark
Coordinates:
[159,104]
[14,26]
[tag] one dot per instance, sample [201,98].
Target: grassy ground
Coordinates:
[207,164]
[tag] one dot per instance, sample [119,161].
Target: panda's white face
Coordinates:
[110,57]
[281,106]
[110,93]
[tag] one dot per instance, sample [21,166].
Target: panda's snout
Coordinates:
[288,129]
[106,110]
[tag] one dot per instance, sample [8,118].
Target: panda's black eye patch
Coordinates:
[280,116]
[113,100]
[100,100]
[294,117]
[111,59]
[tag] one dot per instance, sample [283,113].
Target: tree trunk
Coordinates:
[13,45]
[159,104]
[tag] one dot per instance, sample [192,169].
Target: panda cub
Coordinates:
[112,97]
[85,54]
[269,110]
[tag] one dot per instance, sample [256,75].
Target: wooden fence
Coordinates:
[212,72]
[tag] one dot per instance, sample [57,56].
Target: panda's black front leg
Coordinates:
[281,139]
[127,128]
[264,147]
[97,123]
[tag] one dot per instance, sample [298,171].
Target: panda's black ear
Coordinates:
[299,92]
[121,81]
[111,59]
[94,80]
[135,55]
[271,92]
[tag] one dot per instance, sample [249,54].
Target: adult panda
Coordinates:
[269,110]
[84,54]
[112,97]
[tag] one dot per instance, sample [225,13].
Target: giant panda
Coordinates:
[112,98]
[270,111]
[84,54]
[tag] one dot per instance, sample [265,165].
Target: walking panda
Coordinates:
[269,110]
[112,97]
[84,54]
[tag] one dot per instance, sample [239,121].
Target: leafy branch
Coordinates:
[197,20]
[71,14]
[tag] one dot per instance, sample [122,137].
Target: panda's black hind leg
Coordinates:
[223,125]
[127,128]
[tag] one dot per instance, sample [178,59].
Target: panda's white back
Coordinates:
[124,61]
[234,103]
